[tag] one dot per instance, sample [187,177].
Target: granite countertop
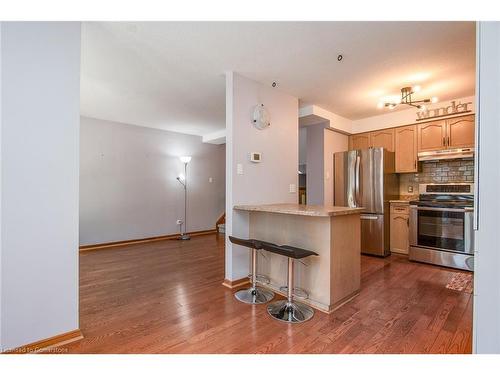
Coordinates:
[404,199]
[300,209]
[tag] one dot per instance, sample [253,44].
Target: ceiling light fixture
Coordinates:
[406,93]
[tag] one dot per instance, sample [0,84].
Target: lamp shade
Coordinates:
[185,159]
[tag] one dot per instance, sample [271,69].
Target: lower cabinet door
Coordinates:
[399,233]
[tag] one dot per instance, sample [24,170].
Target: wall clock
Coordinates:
[261,117]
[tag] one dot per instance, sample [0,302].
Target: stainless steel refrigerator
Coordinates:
[367,178]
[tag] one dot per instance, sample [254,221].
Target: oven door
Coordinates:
[442,228]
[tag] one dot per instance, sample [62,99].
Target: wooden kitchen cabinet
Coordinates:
[460,132]
[383,138]
[380,138]
[431,136]
[399,228]
[360,141]
[405,139]
[450,133]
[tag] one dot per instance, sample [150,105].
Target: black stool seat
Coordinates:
[288,251]
[250,243]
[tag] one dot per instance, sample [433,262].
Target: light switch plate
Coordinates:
[239,168]
[410,188]
[210,179]
[293,188]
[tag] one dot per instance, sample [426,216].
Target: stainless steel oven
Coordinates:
[441,229]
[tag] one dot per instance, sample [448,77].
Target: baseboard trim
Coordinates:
[108,245]
[231,284]
[46,344]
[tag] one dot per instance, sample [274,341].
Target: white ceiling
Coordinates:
[169,75]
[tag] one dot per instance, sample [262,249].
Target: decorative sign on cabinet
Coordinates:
[453,109]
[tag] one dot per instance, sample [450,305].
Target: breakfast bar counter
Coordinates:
[330,279]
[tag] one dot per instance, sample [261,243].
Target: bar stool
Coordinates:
[289,310]
[254,295]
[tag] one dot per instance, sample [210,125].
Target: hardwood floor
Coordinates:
[167,297]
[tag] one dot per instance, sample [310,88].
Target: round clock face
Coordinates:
[261,118]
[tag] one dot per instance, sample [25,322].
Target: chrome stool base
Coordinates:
[254,296]
[290,312]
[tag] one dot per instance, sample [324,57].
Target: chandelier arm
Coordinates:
[403,97]
[406,93]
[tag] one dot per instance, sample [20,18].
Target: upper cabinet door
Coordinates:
[360,141]
[406,149]
[432,136]
[383,138]
[460,132]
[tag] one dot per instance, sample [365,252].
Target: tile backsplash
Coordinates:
[439,171]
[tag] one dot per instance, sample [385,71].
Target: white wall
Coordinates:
[312,115]
[265,182]
[1,126]
[315,187]
[128,186]
[40,69]
[322,143]
[334,142]
[303,145]
[398,118]
[487,255]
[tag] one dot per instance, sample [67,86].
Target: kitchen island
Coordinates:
[330,279]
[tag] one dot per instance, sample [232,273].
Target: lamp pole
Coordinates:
[185,160]
[185,236]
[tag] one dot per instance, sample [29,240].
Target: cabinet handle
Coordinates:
[448,141]
[408,222]
[415,164]
[444,141]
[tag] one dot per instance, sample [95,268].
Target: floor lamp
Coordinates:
[183,181]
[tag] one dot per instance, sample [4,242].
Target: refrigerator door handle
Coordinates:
[369,217]
[356,180]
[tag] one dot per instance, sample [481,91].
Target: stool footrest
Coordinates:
[261,279]
[297,292]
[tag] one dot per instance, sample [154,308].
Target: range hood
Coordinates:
[455,153]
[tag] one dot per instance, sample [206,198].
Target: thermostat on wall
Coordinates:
[255,157]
